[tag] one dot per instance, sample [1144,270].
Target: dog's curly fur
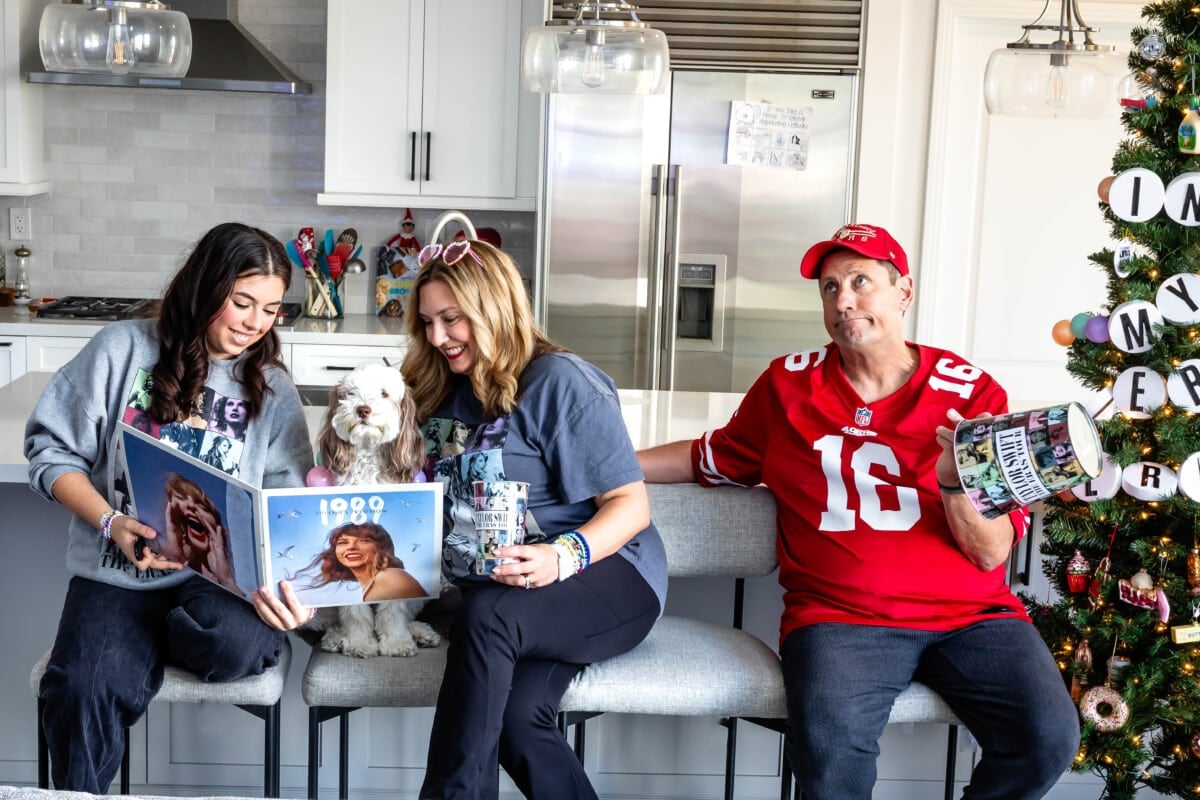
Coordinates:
[370,435]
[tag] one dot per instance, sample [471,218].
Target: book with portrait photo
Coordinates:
[336,545]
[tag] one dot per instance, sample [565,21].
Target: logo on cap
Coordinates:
[863,233]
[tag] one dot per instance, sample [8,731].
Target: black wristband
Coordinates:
[956,489]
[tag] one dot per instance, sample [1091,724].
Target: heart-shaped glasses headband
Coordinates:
[451,254]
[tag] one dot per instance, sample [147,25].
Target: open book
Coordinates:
[241,537]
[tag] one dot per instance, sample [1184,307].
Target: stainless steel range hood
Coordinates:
[225,57]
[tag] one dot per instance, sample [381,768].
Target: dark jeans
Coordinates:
[512,654]
[108,658]
[997,675]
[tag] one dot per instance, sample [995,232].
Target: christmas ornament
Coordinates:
[1096,330]
[1183,386]
[1131,326]
[1188,141]
[1079,323]
[1178,299]
[1078,572]
[1181,192]
[1123,259]
[1136,90]
[1136,195]
[1083,657]
[1186,634]
[1195,746]
[1149,481]
[1193,570]
[1099,582]
[1138,391]
[1189,487]
[1152,47]
[1061,333]
[1118,663]
[1138,591]
[1104,487]
[1103,187]
[1104,708]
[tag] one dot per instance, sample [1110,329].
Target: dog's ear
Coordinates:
[335,454]
[405,455]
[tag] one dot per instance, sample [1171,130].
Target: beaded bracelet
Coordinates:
[578,547]
[950,489]
[106,521]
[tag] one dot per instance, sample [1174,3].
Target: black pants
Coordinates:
[512,654]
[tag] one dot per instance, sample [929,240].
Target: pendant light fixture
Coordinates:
[591,54]
[122,37]
[1064,75]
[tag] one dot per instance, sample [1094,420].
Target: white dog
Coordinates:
[369,436]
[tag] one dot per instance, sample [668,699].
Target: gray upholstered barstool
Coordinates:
[258,694]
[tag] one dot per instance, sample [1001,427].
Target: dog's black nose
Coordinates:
[363,411]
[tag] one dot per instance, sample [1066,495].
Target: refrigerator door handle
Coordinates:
[654,305]
[670,283]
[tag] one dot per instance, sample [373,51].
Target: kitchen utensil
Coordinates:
[306,240]
[293,251]
[328,240]
[345,243]
[356,252]
[322,269]
[335,265]
[355,265]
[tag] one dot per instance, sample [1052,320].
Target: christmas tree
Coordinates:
[1123,550]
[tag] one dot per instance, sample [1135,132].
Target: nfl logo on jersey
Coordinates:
[862,417]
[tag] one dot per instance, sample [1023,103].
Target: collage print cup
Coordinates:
[499,520]
[1009,461]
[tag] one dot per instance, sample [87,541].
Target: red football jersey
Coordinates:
[863,536]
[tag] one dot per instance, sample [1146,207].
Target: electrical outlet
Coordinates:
[19,229]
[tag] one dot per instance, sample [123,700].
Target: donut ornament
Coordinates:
[1104,708]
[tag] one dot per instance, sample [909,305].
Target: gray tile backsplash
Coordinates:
[138,175]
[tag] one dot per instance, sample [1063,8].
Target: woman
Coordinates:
[364,552]
[229,417]
[590,579]
[130,612]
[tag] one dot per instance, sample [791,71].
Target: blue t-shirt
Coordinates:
[566,439]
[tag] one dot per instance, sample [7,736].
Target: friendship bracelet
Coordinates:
[578,546]
[950,489]
[106,521]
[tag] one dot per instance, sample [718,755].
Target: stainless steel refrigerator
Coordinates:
[671,227]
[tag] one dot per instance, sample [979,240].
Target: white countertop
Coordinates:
[352,329]
[652,417]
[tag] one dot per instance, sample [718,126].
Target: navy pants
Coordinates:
[108,658]
[512,654]
[997,676]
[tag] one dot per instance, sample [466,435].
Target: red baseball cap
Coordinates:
[866,240]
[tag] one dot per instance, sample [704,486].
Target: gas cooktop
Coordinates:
[93,308]
[127,308]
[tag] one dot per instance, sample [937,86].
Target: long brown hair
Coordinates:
[196,296]
[491,296]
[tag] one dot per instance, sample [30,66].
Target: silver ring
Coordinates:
[528,583]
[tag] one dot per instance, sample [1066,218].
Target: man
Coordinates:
[889,574]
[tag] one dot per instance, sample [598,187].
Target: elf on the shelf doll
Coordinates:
[405,241]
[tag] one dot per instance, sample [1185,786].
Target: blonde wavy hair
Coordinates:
[492,298]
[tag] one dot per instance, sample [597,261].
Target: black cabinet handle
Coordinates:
[428,152]
[412,156]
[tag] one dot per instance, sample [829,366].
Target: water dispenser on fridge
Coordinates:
[700,303]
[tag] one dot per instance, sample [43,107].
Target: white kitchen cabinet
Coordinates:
[12,358]
[48,353]
[424,105]
[326,364]
[22,163]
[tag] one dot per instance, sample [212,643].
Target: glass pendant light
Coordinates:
[1068,76]
[590,54]
[122,37]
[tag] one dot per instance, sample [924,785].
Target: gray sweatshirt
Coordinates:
[73,428]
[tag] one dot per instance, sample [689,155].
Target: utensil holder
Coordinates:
[318,297]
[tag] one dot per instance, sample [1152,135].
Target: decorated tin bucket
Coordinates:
[1012,460]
